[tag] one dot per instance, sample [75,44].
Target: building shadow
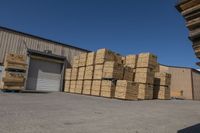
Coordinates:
[192,129]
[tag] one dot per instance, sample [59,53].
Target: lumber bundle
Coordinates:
[129,73]
[96,88]
[87,85]
[82,60]
[91,58]
[79,86]
[107,88]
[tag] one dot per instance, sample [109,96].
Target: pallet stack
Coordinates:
[107,74]
[162,83]
[13,75]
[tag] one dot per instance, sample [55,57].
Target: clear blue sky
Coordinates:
[125,26]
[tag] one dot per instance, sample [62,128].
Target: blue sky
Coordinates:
[125,26]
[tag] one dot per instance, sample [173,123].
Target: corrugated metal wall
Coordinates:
[15,42]
[196,85]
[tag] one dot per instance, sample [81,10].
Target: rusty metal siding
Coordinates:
[196,84]
[15,42]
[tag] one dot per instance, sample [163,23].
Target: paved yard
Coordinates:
[70,113]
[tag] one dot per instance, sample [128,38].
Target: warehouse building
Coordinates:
[185,81]
[46,58]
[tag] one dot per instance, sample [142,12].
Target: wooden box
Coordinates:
[90,58]
[96,88]
[128,73]
[81,73]
[87,85]
[107,88]
[145,91]
[103,55]
[89,73]
[162,78]
[68,72]
[79,86]
[131,61]
[75,61]
[82,60]
[74,74]
[161,92]
[144,75]
[67,86]
[147,60]
[98,72]
[127,90]
[113,70]
[72,86]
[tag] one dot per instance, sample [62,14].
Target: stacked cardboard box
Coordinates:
[162,82]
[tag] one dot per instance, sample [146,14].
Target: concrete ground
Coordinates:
[71,113]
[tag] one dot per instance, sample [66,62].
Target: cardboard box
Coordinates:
[89,73]
[91,58]
[81,73]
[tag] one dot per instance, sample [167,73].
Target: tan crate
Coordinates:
[128,73]
[113,70]
[127,90]
[81,73]
[131,61]
[91,58]
[144,75]
[87,85]
[74,74]
[75,61]
[79,86]
[82,60]
[68,72]
[98,72]
[103,55]
[107,88]
[145,92]
[147,60]
[161,92]
[162,78]
[67,86]
[96,88]
[89,73]
[72,86]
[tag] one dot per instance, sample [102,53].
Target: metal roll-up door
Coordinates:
[44,75]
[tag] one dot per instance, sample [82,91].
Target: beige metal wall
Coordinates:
[14,42]
[181,80]
[196,84]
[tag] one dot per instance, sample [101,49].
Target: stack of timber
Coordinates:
[162,83]
[190,10]
[14,73]
[107,74]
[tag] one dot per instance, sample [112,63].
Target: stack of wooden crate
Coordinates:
[144,75]
[162,82]
[14,72]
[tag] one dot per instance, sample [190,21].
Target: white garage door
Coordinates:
[44,75]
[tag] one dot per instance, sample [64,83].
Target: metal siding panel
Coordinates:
[196,85]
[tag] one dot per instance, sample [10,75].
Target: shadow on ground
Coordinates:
[192,129]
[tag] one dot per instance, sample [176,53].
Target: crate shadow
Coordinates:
[192,129]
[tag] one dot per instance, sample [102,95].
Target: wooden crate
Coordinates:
[82,60]
[16,58]
[107,89]
[67,86]
[127,90]
[144,75]
[68,72]
[87,85]
[79,86]
[131,61]
[90,58]
[162,78]
[89,73]
[72,86]
[161,92]
[113,70]
[128,73]
[81,73]
[98,72]
[96,88]
[74,74]
[145,91]
[147,60]
[75,61]
[103,55]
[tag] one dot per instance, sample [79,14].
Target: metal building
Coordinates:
[47,59]
[184,79]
